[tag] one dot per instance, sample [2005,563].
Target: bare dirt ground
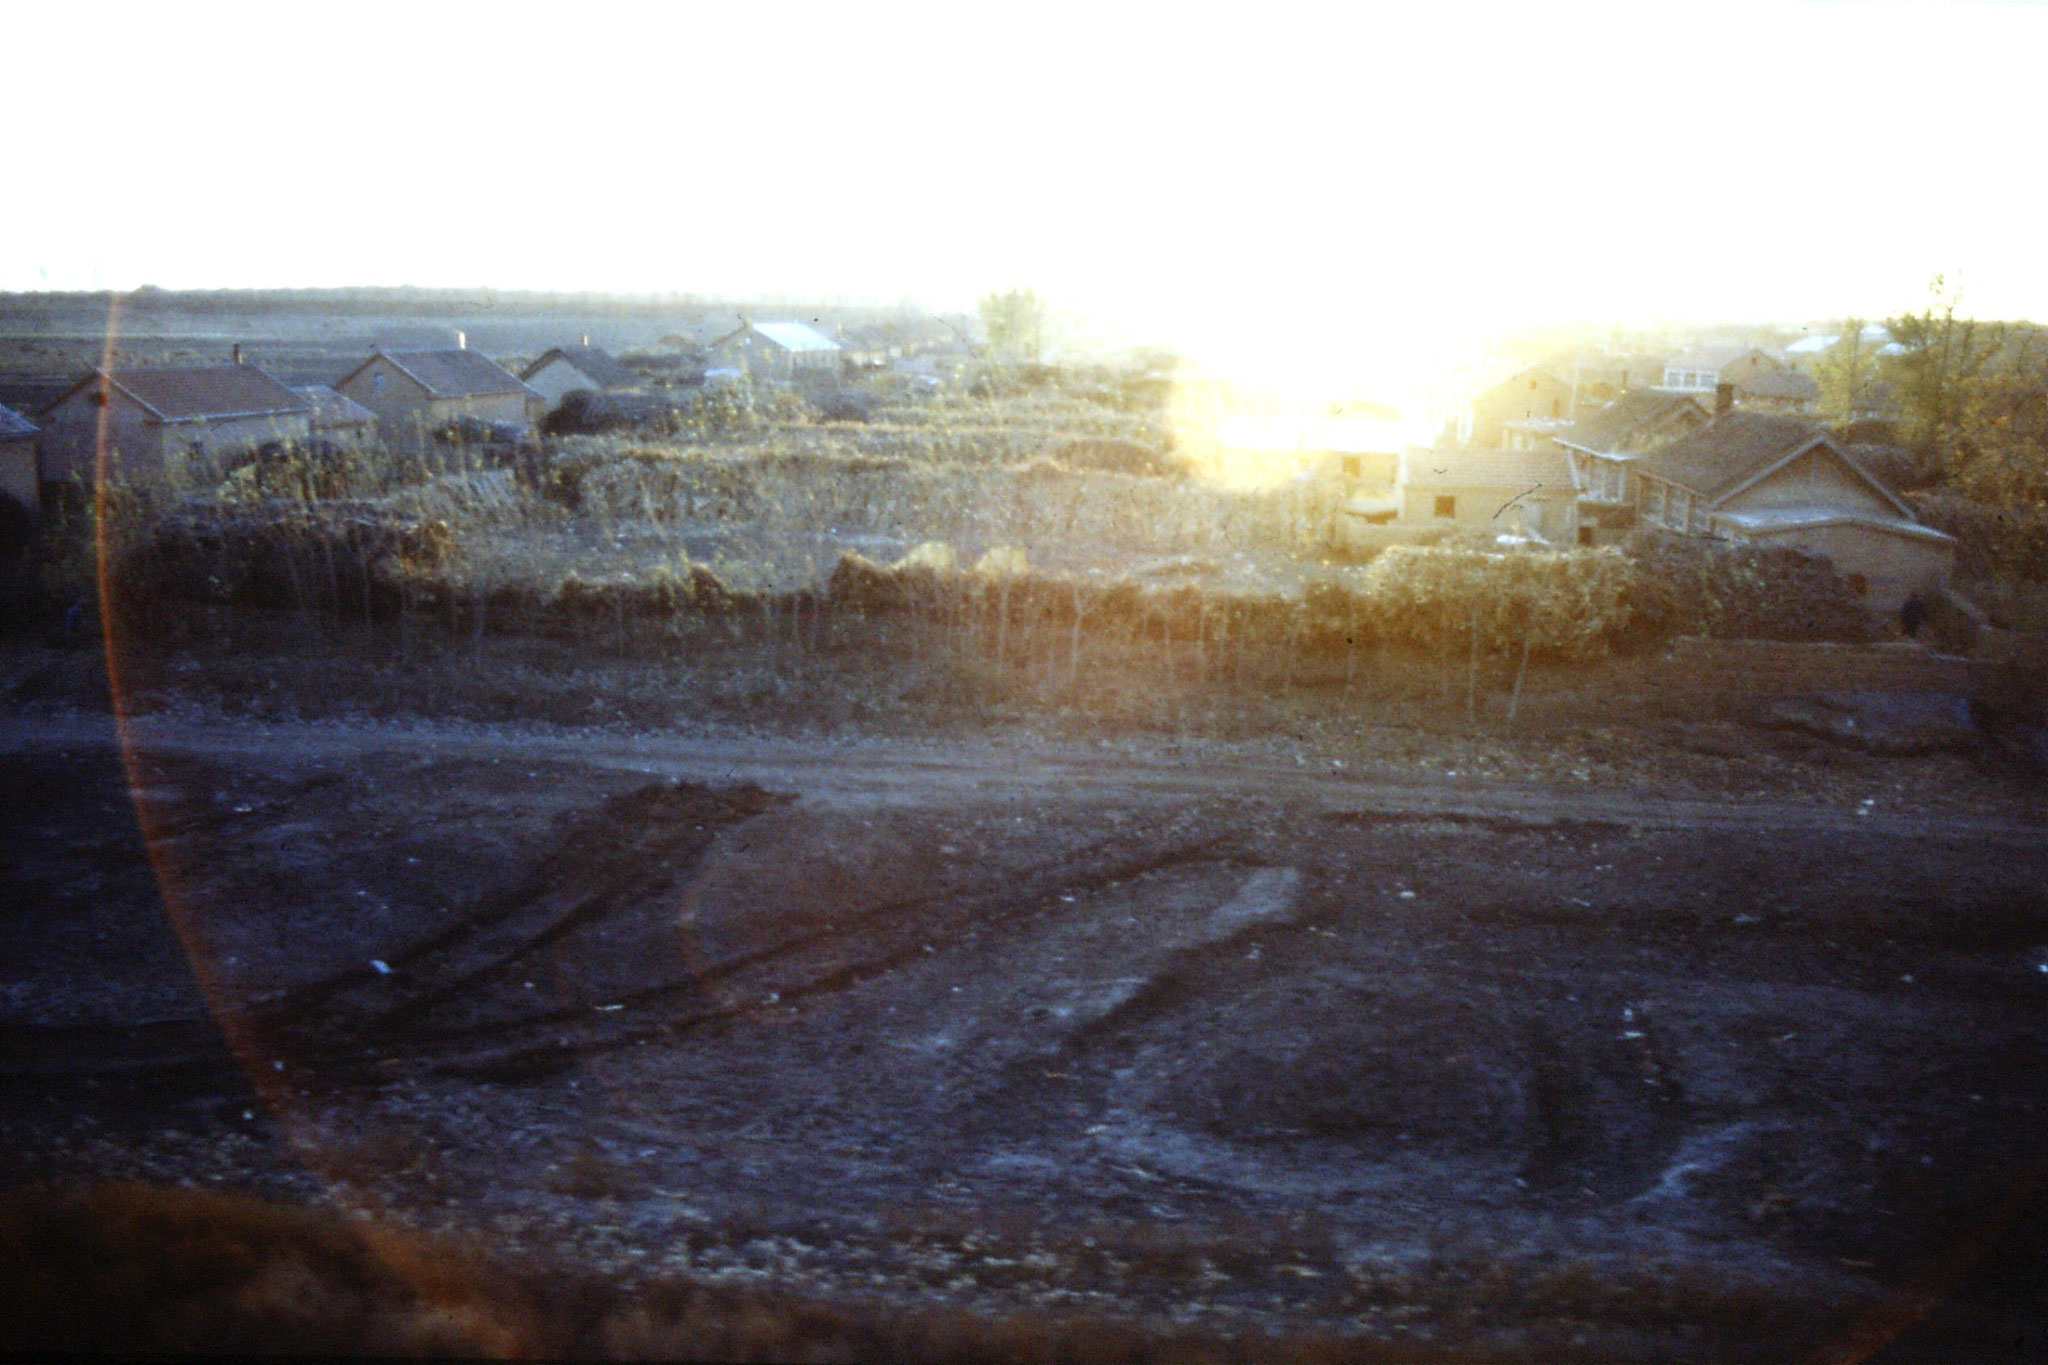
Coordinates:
[1246,1036]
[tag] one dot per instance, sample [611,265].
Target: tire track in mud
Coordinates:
[905,940]
[629,848]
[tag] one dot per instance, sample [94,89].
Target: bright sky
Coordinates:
[1291,181]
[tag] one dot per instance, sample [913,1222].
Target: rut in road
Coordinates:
[898,934]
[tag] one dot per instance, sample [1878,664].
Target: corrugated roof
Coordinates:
[456,372]
[1727,451]
[794,336]
[594,364]
[1619,425]
[191,393]
[13,425]
[331,409]
[1516,469]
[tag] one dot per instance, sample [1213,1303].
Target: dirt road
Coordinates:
[1230,1036]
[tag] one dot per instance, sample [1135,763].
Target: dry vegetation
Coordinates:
[1040,539]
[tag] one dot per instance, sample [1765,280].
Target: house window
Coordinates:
[377,384]
[1350,466]
[1446,505]
[1585,535]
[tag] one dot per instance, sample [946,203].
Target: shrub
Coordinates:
[586,412]
[1991,542]
[1571,604]
[282,555]
[844,405]
[1686,585]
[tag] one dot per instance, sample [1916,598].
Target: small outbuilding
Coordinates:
[783,351]
[1521,493]
[1774,480]
[164,419]
[568,369]
[416,393]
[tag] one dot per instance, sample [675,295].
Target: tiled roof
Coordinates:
[1728,451]
[331,409]
[13,425]
[594,364]
[1618,425]
[191,393]
[1518,469]
[455,372]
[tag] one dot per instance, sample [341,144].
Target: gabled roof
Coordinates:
[794,336]
[1786,385]
[13,426]
[1715,358]
[1616,426]
[455,372]
[1737,449]
[331,409]
[196,393]
[594,364]
[1518,469]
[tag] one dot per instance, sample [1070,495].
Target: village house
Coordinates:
[1533,395]
[20,476]
[1603,446]
[1706,368]
[566,369]
[1525,494]
[1774,480]
[780,351]
[336,418]
[1761,380]
[416,393]
[1781,391]
[167,419]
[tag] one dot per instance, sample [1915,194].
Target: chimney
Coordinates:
[236,353]
[462,341]
[1724,398]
